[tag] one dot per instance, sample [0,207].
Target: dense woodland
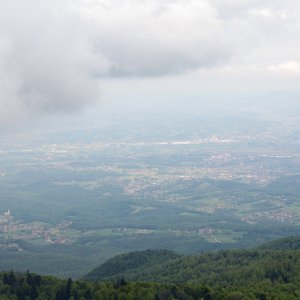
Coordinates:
[30,286]
[271,271]
[275,262]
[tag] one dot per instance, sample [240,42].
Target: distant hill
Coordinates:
[286,243]
[285,185]
[277,261]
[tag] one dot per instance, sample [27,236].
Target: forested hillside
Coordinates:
[223,268]
[127,263]
[31,286]
[271,271]
[287,243]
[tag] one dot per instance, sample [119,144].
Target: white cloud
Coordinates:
[54,53]
[288,68]
[152,38]
[265,12]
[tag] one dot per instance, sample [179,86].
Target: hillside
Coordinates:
[131,262]
[267,272]
[35,287]
[286,243]
[225,268]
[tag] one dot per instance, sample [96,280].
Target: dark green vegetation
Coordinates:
[125,264]
[267,272]
[287,243]
[31,287]
[78,198]
[224,268]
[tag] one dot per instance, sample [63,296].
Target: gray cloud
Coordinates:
[45,60]
[153,38]
[53,54]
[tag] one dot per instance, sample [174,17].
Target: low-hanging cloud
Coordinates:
[45,60]
[53,54]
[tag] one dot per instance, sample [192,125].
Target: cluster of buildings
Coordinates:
[15,231]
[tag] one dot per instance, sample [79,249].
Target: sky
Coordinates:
[66,56]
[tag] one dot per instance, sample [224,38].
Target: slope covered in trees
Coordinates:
[31,287]
[130,262]
[286,243]
[271,271]
[223,268]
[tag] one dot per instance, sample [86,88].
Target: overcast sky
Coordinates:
[65,55]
